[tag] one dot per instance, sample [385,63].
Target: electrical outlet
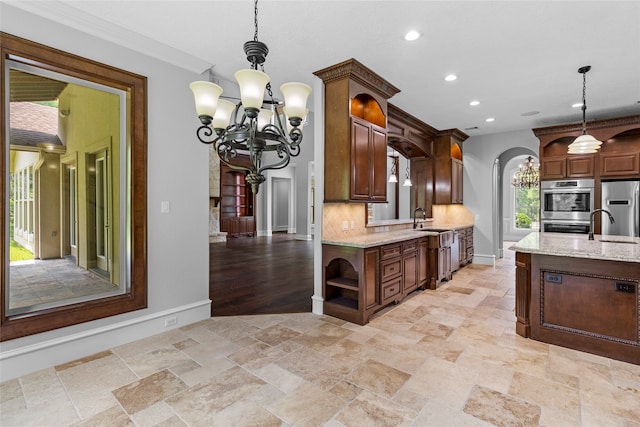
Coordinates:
[345,225]
[353,225]
[170,321]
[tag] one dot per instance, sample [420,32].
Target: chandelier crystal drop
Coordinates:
[585,143]
[247,127]
[528,176]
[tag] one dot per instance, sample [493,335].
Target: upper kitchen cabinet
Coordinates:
[618,157]
[355,117]
[448,167]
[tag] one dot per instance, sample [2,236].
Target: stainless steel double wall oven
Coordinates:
[566,205]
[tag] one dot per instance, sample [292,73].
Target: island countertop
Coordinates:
[613,248]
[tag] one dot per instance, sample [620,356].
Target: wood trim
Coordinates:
[354,70]
[48,58]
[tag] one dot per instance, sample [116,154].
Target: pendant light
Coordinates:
[407,178]
[393,177]
[585,143]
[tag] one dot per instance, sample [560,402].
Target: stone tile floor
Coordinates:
[37,282]
[448,357]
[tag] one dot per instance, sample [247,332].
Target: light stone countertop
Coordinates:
[579,246]
[383,238]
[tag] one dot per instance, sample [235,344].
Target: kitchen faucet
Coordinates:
[591,220]
[424,216]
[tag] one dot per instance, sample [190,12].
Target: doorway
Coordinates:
[281,196]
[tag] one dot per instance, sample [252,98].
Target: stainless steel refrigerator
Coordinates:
[621,199]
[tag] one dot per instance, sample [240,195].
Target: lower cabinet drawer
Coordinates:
[390,251]
[390,289]
[390,268]
[469,254]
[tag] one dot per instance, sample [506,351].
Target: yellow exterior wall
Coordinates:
[92,125]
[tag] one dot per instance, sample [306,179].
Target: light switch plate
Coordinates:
[165,207]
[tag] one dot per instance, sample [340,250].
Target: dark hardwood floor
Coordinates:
[260,275]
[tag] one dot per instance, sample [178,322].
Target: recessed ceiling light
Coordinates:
[451,77]
[412,35]
[489,119]
[576,105]
[474,103]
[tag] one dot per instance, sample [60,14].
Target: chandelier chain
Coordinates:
[255,20]
[584,102]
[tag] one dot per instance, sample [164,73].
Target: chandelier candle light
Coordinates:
[527,176]
[585,143]
[246,127]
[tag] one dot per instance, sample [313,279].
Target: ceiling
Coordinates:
[515,57]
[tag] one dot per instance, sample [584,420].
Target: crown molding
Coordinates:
[65,14]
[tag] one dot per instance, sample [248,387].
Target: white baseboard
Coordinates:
[484,259]
[34,357]
[304,237]
[316,304]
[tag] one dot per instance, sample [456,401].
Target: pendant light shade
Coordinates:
[252,85]
[295,98]
[222,117]
[585,143]
[206,96]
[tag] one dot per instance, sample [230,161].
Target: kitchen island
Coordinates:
[580,293]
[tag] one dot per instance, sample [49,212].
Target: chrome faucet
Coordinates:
[424,216]
[591,220]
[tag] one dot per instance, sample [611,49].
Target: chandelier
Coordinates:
[246,127]
[527,176]
[585,143]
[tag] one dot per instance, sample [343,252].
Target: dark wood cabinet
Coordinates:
[553,167]
[369,161]
[620,164]
[357,282]
[355,120]
[236,203]
[448,167]
[391,273]
[523,294]
[409,267]
[465,245]
[618,157]
[570,166]
[350,282]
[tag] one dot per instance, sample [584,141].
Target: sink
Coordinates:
[618,241]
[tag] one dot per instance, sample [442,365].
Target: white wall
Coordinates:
[177,242]
[481,192]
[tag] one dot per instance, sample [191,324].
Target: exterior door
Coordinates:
[103,212]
